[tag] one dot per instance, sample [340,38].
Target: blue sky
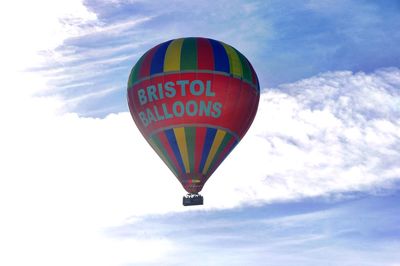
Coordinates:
[314,182]
[309,36]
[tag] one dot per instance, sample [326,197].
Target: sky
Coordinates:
[316,180]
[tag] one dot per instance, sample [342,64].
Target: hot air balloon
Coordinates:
[193,100]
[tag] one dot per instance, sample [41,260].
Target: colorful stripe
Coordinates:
[173,56]
[160,150]
[254,76]
[205,59]
[164,144]
[190,133]
[221,147]
[189,54]
[210,135]
[245,67]
[181,140]
[193,54]
[145,66]
[157,64]
[219,136]
[220,157]
[221,59]
[193,152]
[134,75]
[200,139]
[175,148]
[234,61]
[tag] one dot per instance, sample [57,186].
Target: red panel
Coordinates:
[229,97]
[232,112]
[245,101]
[250,118]
[134,112]
[146,65]
[205,56]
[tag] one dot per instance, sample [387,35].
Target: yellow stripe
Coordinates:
[234,61]
[181,139]
[216,143]
[172,60]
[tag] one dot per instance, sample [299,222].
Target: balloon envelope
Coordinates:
[193,99]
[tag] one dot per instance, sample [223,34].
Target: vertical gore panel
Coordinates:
[210,135]
[172,61]
[245,67]
[158,147]
[174,145]
[254,105]
[200,139]
[221,147]
[157,65]
[214,147]
[146,64]
[221,60]
[189,54]
[254,77]
[205,58]
[225,152]
[181,140]
[133,77]
[234,61]
[170,153]
[190,133]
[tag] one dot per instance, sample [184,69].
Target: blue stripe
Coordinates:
[221,60]
[157,64]
[210,135]
[174,145]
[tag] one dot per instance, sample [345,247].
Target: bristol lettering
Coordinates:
[184,88]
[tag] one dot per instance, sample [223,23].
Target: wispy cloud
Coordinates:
[91,95]
[117,28]
[311,232]
[316,136]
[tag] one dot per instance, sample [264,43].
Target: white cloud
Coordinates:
[28,27]
[334,132]
[50,183]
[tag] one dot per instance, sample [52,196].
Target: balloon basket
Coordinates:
[192,199]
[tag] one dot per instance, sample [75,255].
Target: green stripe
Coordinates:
[189,54]
[170,165]
[245,67]
[190,133]
[135,72]
[221,147]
